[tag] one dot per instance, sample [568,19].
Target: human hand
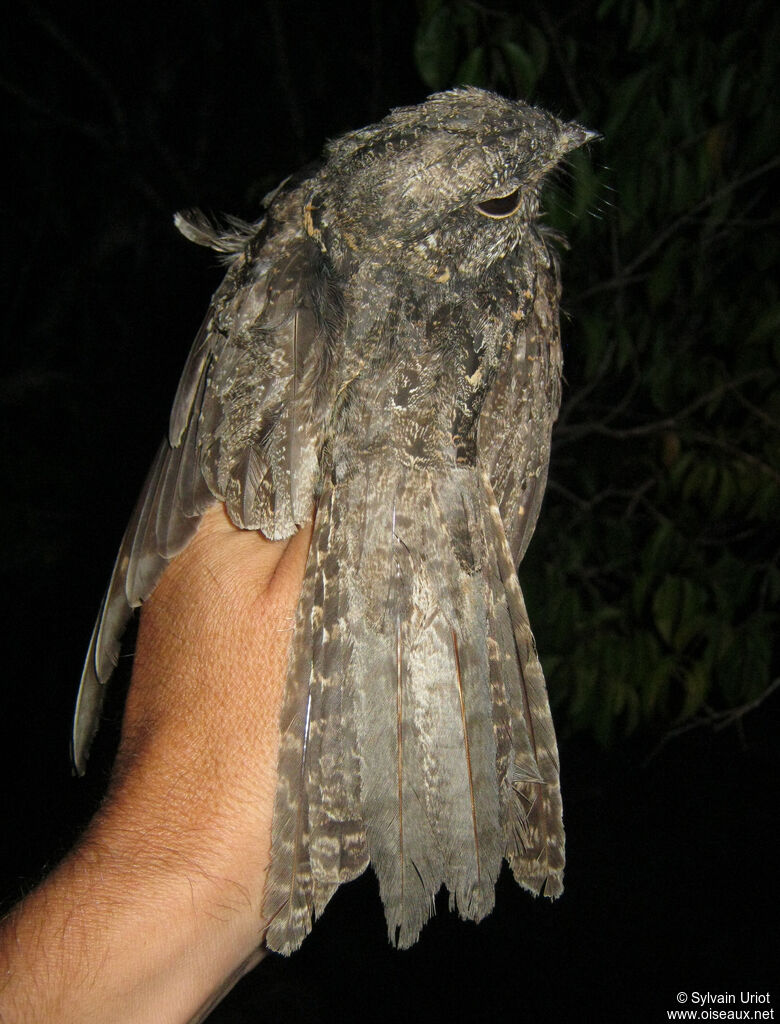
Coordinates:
[160,902]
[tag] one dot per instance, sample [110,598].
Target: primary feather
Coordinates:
[384,354]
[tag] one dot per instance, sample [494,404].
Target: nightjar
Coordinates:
[384,354]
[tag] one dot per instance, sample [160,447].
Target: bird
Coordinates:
[384,356]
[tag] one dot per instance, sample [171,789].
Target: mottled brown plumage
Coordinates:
[384,353]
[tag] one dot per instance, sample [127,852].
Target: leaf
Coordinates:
[767,326]
[520,63]
[666,607]
[436,48]
[604,8]
[539,49]
[724,89]
[472,70]
[624,98]
[696,683]
[726,494]
[665,275]
[639,26]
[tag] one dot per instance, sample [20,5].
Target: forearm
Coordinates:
[158,903]
[161,900]
[135,925]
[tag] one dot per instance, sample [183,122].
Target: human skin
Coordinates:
[160,901]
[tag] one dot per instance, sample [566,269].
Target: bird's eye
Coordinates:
[500,206]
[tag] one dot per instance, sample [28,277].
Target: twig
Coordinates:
[668,422]
[758,413]
[725,190]
[717,720]
[737,452]
[623,278]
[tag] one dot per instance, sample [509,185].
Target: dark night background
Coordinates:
[653,581]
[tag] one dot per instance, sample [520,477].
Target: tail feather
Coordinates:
[318,833]
[394,790]
[535,826]
[338,842]
[287,902]
[416,730]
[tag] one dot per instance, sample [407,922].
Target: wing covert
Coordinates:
[515,423]
[246,427]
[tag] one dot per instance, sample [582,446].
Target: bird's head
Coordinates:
[445,187]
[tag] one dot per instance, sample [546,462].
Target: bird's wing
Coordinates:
[246,428]
[515,423]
